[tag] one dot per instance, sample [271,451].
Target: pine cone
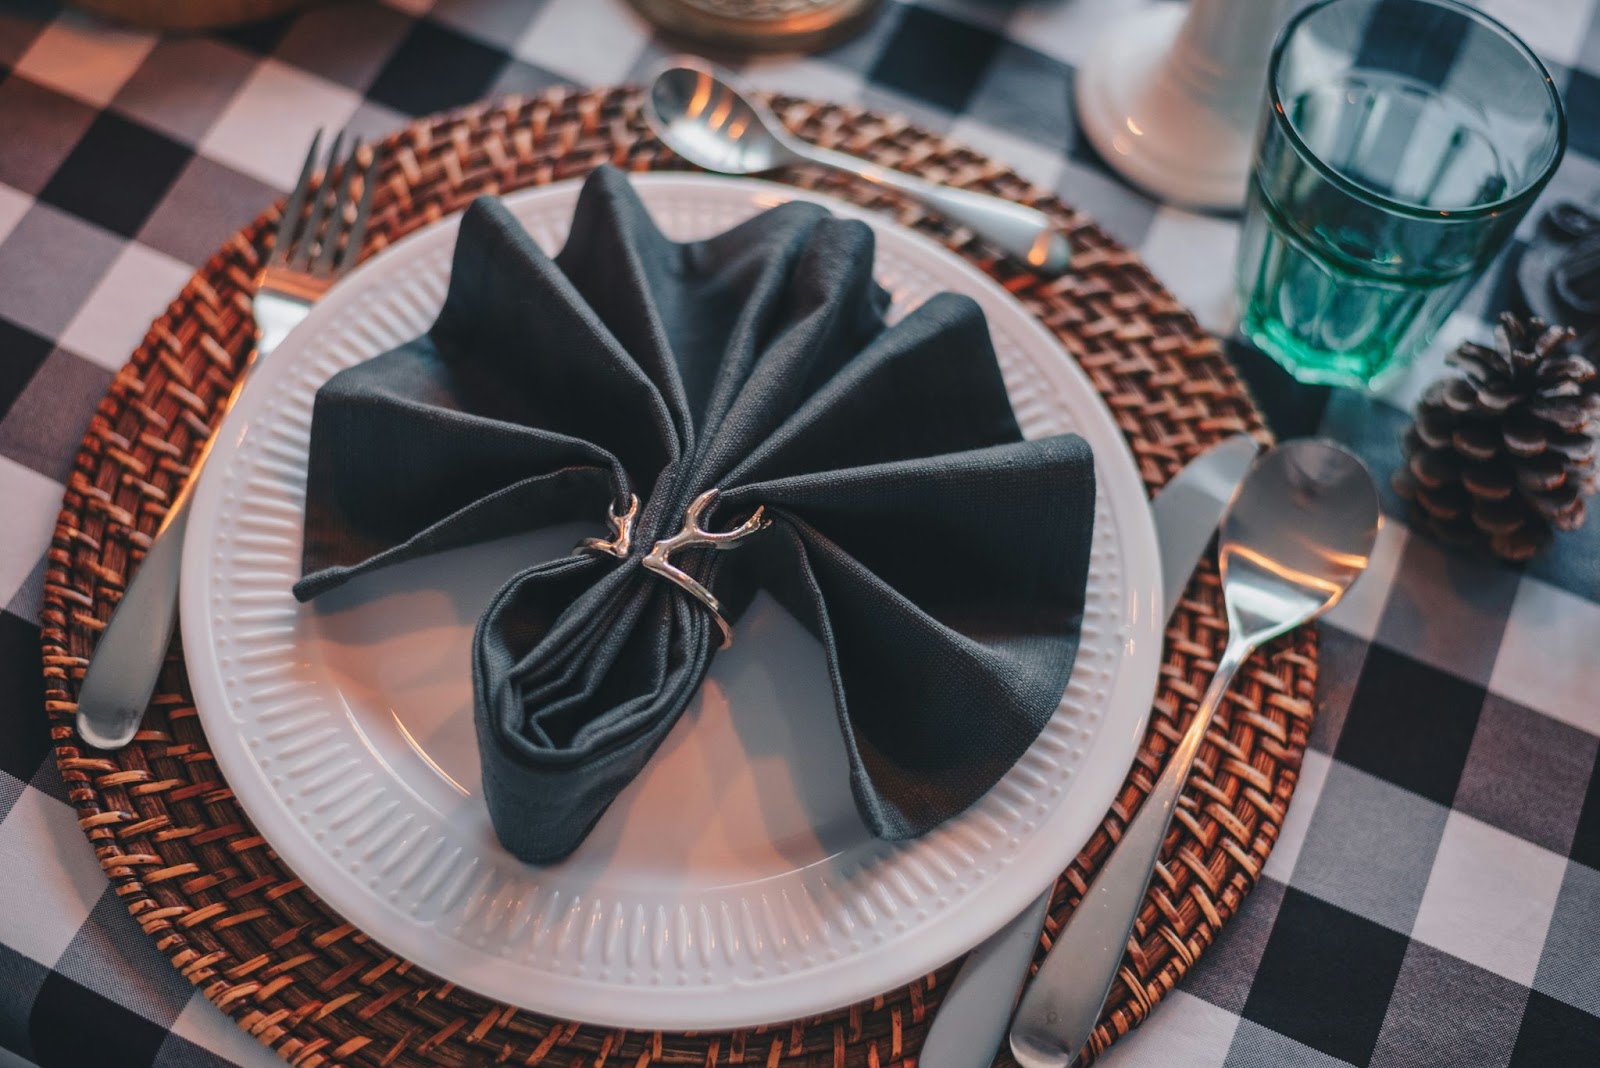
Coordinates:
[1503,455]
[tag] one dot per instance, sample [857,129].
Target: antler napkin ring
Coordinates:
[692,536]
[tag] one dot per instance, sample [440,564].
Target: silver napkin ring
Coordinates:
[621,540]
[692,536]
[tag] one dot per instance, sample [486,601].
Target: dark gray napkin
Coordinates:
[938,557]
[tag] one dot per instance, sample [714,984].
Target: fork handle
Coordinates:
[1061,1006]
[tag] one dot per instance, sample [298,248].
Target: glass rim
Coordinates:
[1528,192]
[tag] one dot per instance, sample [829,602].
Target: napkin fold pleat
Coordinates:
[938,557]
[517,320]
[914,599]
[577,685]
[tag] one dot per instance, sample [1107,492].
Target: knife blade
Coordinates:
[972,1021]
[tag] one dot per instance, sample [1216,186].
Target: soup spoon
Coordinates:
[703,117]
[1296,537]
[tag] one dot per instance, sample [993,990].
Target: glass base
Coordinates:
[1317,367]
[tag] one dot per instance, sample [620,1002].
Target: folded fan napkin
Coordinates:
[938,557]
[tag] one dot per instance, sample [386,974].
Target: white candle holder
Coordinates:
[1171,96]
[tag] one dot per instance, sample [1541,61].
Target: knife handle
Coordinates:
[1059,1011]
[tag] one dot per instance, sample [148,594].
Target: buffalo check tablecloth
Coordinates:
[1435,897]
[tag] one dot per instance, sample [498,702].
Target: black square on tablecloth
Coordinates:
[24,739]
[261,37]
[434,68]
[20,980]
[1425,1024]
[21,23]
[179,1052]
[45,425]
[1080,149]
[117,174]
[1026,93]
[1497,291]
[145,984]
[1293,409]
[21,353]
[1325,977]
[1411,724]
[1582,97]
[38,128]
[935,58]
[1527,774]
[1421,42]
[1555,1035]
[71,1026]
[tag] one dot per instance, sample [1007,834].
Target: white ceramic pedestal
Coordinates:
[1171,95]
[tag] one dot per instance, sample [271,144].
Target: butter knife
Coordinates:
[972,1020]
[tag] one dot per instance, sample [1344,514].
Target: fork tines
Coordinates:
[339,202]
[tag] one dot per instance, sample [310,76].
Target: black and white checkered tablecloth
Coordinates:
[1435,898]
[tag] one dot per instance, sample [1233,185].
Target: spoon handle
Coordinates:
[1024,232]
[1059,1010]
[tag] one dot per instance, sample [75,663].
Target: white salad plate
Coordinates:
[732,883]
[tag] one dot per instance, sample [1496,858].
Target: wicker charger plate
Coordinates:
[307,982]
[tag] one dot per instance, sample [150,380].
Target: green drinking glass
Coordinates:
[1403,141]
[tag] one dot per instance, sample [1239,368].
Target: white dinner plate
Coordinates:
[732,883]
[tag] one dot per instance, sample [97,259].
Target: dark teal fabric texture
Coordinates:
[938,556]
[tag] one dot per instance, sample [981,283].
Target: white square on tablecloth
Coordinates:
[267,128]
[49,879]
[1292,835]
[1193,255]
[14,1060]
[1037,163]
[1187,1031]
[1119,211]
[1369,847]
[1361,608]
[1489,898]
[1067,31]
[1406,388]
[210,1028]
[803,77]
[85,58]
[14,205]
[137,289]
[593,42]
[1552,28]
[1545,653]
[491,21]
[32,503]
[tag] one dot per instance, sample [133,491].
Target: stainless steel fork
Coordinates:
[312,249]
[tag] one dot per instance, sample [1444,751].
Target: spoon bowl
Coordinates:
[711,124]
[1298,534]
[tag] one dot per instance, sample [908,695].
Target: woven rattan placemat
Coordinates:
[306,982]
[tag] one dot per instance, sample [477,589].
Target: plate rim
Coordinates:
[733,1004]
